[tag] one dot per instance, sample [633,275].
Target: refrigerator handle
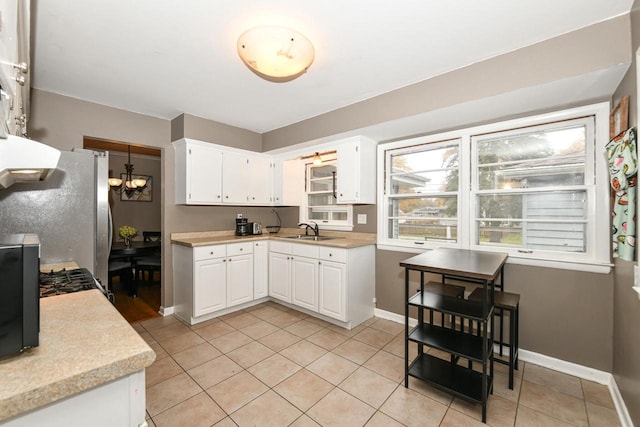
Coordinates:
[110,228]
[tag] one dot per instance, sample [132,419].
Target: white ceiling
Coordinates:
[163,57]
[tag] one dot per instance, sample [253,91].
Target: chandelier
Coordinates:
[130,186]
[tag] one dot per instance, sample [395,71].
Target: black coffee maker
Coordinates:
[242,227]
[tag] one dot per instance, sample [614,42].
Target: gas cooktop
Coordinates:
[67,281]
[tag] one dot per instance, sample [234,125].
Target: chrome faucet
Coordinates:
[314,228]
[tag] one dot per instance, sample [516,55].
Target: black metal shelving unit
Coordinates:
[460,341]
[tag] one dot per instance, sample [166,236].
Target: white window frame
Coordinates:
[597,257]
[346,225]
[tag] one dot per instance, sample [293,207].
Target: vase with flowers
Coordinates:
[127,233]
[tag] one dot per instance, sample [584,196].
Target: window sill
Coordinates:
[560,265]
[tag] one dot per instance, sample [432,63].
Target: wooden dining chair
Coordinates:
[149,264]
[121,268]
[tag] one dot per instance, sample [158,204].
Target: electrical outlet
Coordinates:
[238,216]
[375,300]
[362,218]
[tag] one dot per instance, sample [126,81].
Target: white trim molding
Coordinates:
[166,311]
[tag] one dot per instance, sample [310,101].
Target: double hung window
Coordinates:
[535,188]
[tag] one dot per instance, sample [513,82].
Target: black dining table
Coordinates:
[130,252]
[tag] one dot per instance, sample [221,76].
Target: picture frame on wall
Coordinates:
[619,118]
[145,196]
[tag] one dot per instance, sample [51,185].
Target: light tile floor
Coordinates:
[272,366]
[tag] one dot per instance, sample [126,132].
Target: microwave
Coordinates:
[19,293]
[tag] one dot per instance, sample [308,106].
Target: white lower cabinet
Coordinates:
[280,276]
[334,282]
[260,269]
[209,279]
[304,282]
[239,279]
[332,290]
[210,286]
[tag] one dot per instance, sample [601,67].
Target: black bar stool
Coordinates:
[505,302]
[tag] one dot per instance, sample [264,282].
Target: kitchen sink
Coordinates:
[303,237]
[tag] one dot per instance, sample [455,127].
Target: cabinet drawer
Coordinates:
[333,254]
[239,248]
[278,246]
[208,252]
[309,251]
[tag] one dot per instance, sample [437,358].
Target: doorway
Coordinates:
[137,290]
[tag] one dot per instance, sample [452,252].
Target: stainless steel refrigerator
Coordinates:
[69,212]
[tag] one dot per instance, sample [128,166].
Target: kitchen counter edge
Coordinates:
[84,343]
[340,241]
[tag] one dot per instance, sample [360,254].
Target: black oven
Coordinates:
[19,292]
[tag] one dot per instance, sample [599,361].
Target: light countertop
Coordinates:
[345,240]
[84,342]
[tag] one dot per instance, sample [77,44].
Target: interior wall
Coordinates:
[143,215]
[597,47]
[626,314]
[562,312]
[63,122]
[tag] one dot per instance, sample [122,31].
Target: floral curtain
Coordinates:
[623,165]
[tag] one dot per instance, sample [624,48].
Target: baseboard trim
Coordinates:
[553,363]
[618,401]
[166,311]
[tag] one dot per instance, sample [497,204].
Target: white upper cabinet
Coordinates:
[292,182]
[210,174]
[235,178]
[260,177]
[198,173]
[357,171]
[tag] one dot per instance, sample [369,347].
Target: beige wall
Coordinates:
[626,313]
[592,48]
[144,216]
[565,314]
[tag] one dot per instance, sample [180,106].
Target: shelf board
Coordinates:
[453,378]
[459,343]
[455,306]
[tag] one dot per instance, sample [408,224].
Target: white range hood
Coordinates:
[25,160]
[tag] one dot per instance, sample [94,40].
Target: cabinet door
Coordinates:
[304,282]
[235,178]
[209,286]
[204,169]
[280,276]
[276,182]
[349,172]
[292,182]
[239,279]
[260,269]
[332,290]
[260,181]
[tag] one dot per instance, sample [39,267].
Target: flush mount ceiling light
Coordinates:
[276,54]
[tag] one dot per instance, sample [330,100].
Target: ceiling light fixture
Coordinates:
[131,185]
[276,54]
